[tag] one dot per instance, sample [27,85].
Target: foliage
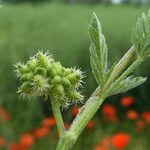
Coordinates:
[43,76]
[98,50]
[108,122]
[141,36]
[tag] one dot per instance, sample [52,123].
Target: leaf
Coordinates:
[98,50]
[140,36]
[127,84]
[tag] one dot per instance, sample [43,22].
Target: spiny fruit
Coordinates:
[42,76]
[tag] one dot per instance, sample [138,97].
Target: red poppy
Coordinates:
[120,140]
[108,109]
[75,110]
[126,101]
[2,142]
[109,112]
[140,125]
[105,142]
[26,140]
[132,115]
[17,146]
[146,116]
[90,124]
[48,122]
[4,115]
[99,147]
[41,132]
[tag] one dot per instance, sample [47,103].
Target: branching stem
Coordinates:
[87,111]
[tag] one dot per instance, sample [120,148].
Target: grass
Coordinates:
[100,132]
[62,29]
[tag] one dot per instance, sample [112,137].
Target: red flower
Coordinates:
[17,146]
[99,147]
[146,116]
[132,115]
[127,101]
[140,125]
[2,142]
[90,124]
[75,110]
[26,140]
[120,140]
[109,109]
[105,142]
[48,122]
[4,115]
[41,132]
[109,112]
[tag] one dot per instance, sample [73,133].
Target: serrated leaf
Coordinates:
[127,84]
[98,50]
[141,35]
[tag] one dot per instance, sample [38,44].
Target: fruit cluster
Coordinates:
[42,76]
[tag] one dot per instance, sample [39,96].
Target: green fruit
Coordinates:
[72,78]
[57,79]
[59,90]
[68,71]
[30,76]
[40,71]
[74,95]
[24,77]
[65,82]
[51,72]
[32,64]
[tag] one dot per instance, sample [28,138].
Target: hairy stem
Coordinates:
[121,65]
[87,111]
[79,123]
[132,67]
[86,114]
[58,117]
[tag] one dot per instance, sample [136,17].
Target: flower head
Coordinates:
[41,132]
[132,115]
[146,116]
[2,142]
[109,113]
[127,101]
[26,140]
[120,140]
[48,122]
[42,76]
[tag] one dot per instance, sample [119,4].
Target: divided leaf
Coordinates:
[127,84]
[98,50]
[141,35]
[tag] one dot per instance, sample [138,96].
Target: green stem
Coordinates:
[58,117]
[67,140]
[79,123]
[85,115]
[132,67]
[121,65]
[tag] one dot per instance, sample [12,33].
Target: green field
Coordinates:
[63,30]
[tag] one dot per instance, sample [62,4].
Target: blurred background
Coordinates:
[61,26]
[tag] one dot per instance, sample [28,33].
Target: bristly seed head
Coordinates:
[42,76]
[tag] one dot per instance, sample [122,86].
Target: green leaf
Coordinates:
[98,50]
[127,84]
[141,35]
